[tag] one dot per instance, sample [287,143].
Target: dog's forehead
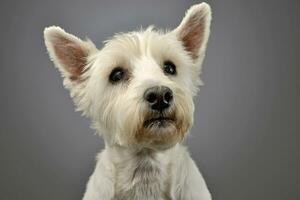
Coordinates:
[139,43]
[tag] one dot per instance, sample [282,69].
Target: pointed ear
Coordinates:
[69,53]
[194,29]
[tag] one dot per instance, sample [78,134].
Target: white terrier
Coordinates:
[138,91]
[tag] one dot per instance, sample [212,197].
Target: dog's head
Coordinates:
[138,89]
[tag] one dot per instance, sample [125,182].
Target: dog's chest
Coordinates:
[142,178]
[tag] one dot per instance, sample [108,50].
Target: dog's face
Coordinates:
[138,89]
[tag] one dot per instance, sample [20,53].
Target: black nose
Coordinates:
[159,98]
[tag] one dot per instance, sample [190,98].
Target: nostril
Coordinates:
[151,98]
[168,97]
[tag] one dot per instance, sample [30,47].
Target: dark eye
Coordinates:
[169,68]
[117,74]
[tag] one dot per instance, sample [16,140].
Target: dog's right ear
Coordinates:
[194,30]
[69,53]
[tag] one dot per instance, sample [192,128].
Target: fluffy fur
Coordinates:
[139,162]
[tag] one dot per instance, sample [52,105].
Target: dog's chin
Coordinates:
[159,132]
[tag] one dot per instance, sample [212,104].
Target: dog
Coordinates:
[138,92]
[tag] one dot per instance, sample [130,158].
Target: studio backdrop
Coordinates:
[246,132]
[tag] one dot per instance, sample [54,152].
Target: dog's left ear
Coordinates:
[194,30]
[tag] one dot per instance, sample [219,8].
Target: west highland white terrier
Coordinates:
[138,92]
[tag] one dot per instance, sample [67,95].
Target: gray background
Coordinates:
[246,133]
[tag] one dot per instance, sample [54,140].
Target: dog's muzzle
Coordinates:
[159,99]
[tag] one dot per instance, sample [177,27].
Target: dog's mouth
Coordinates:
[158,122]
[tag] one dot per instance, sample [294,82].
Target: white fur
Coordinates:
[152,168]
